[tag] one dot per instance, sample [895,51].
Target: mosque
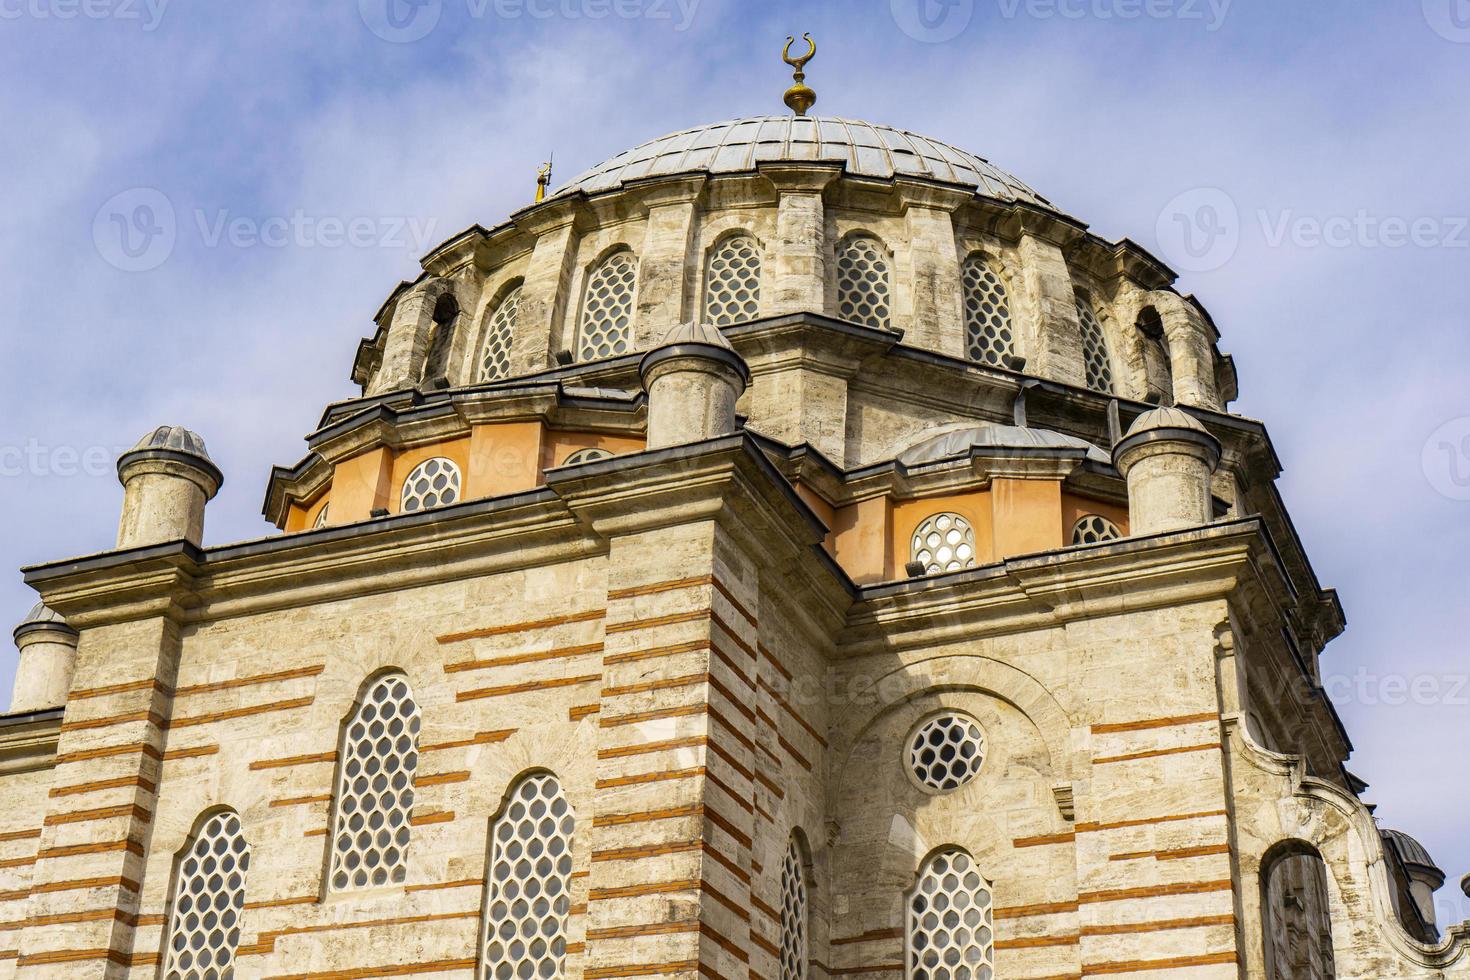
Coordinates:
[793,549]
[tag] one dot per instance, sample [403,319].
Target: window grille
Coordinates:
[946,752]
[950,924]
[209,894]
[433,483]
[988,336]
[1094,349]
[589,455]
[607,312]
[793,916]
[944,543]
[733,284]
[1094,528]
[863,287]
[495,357]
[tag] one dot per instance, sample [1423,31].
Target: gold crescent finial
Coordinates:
[543,180]
[800,98]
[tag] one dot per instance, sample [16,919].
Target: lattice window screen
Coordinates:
[589,455]
[988,336]
[380,754]
[495,357]
[944,543]
[733,283]
[949,921]
[528,893]
[433,483]
[1094,349]
[209,893]
[1093,529]
[863,287]
[946,752]
[607,312]
[793,916]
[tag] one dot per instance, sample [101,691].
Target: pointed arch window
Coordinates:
[950,920]
[209,894]
[495,353]
[1096,363]
[733,282]
[607,310]
[528,890]
[988,335]
[375,787]
[864,288]
[794,916]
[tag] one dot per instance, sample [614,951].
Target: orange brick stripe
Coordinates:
[582,711]
[734,668]
[768,783]
[147,683]
[105,847]
[729,631]
[871,936]
[1154,723]
[741,875]
[735,832]
[81,884]
[644,929]
[191,753]
[295,760]
[655,714]
[655,653]
[734,603]
[728,945]
[152,717]
[773,660]
[482,738]
[87,915]
[795,716]
[1037,942]
[1177,854]
[435,886]
[1142,966]
[135,782]
[589,616]
[640,970]
[24,862]
[442,778]
[245,712]
[637,891]
[1154,891]
[645,851]
[672,619]
[639,779]
[848,971]
[657,587]
[303,800]
[280,675]
[426,819]
[1163,926]
[73,956]
[1044,841]
[392,970]
[269,937]
[664,684]
[278,903]
[109,752]
[19,835]
[1092,828]
[647,748]
[101,813]
[1027,911]
[520,659]
[792,751]
[525,688]
[1156,753]
[724,756]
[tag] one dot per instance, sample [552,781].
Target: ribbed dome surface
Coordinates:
[174,438]
[1165,418]
[864,149]
[961,442]
[1410,851]
[697,333]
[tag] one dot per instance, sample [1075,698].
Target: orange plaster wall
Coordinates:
[559,445]
[302,517]
[503,458]
[1027,516]
[1074,508]
[860,540]
[974,507]
[360,485]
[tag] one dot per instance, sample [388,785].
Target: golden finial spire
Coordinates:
[543,179]
[799,97]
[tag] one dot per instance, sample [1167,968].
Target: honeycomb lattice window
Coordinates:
[988,336]
[321,517]
[433,483]
[944,543]
[607,312]
[950,924]
[863,287]
[380,754]
[528,892]
[1093,529]
[209,893]
[733,282]
[589,455]
[793,916]
[946,752]
[495,355]
[1094,349]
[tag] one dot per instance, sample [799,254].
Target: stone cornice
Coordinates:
[28,741]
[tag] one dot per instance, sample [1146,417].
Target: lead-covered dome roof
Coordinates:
[864,149]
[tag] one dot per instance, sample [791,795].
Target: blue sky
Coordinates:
[1314,152]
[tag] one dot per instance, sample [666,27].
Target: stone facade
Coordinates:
[705,601]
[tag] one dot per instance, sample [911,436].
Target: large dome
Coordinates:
[864,149]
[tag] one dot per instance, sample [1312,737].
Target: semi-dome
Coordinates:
[864,149]
[1410,851]
[963,441]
